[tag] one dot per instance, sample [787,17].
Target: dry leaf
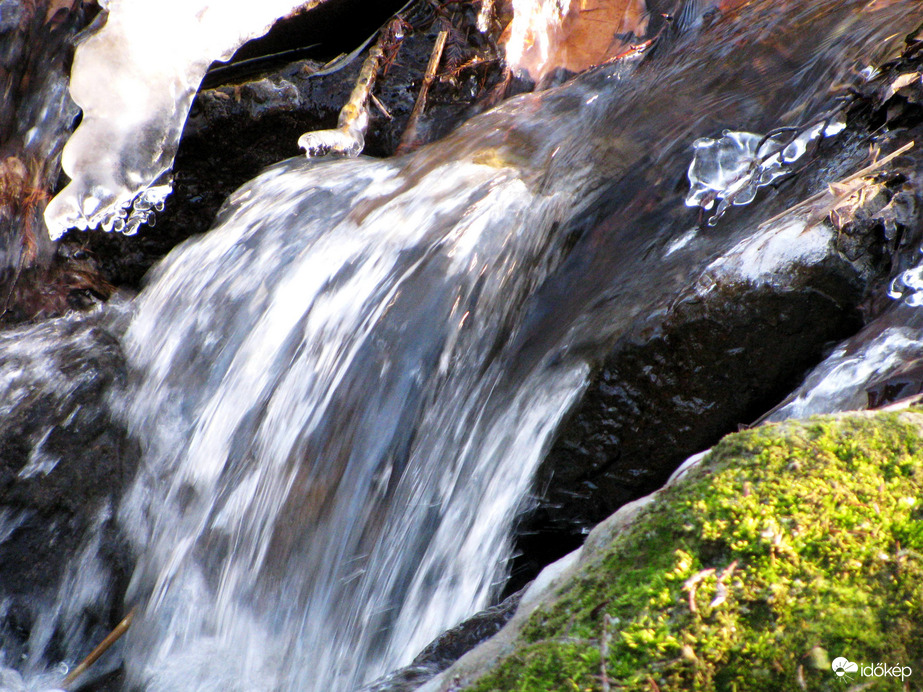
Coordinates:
[576,34]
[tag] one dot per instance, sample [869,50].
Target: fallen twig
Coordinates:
[102,648]
[692,583]
[381,107]
[840,189]
[410,134]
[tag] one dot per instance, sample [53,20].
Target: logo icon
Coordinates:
[841,666]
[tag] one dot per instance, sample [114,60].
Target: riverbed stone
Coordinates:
[741,335]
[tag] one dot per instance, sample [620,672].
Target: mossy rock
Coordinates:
[788,546]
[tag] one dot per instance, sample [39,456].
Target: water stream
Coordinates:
[333,442]
[343,390]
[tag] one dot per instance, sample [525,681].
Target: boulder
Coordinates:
[789,277]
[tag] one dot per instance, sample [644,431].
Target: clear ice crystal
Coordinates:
[338,142]
[731,169]
[135,80]
[908,287]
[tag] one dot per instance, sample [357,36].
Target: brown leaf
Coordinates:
[590,32]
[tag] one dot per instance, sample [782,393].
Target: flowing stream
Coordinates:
[334,447]
[343,390]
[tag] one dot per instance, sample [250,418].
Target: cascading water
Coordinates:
[343,390]
[334,446]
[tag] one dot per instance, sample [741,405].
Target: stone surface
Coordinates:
[36,116]
[63,464]
[449,647]
[728,347]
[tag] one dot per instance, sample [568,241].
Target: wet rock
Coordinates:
[63,464]
[719,353]
[449,647]
[719,356]
[36,116]
[880,365]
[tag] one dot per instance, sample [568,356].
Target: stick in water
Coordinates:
[103,646]
[408,141]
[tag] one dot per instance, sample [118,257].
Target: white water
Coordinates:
[842,381]
[334,451]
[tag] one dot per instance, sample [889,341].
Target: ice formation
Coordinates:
[731,169]
[135,81]
[908,286]
[136,78]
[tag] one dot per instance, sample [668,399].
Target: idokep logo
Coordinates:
[843,667]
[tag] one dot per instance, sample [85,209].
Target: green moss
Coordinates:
[789,546]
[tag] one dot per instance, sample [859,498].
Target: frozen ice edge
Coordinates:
[135,80]
[730,170]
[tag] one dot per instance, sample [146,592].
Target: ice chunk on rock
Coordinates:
[135,80]
[908,286]
[723,167]
[729,170]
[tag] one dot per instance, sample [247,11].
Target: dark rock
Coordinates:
[712,362]
[36,117]
[880,365]
[904,382]
[449,647]
[718,355]
[63,465]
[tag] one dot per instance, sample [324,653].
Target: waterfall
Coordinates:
[334,446]
[342,391]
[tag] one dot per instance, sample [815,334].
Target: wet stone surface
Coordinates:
[716,361]
[449,647]
[713,363]
[63,464]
